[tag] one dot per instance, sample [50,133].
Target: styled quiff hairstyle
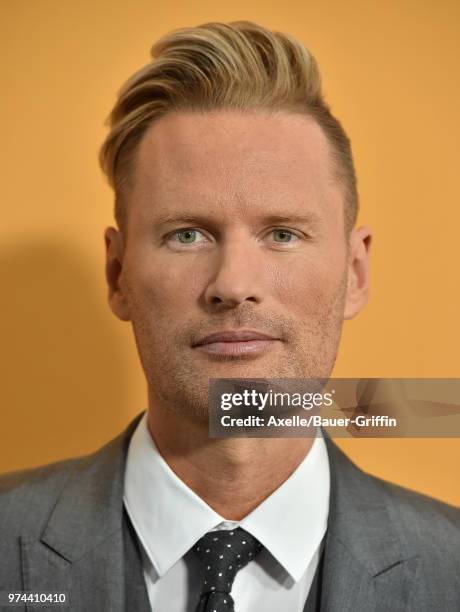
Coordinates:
[221,66]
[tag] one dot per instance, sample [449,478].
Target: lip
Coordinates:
[240,335]
[236,343]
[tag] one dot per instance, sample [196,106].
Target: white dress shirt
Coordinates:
[169,518]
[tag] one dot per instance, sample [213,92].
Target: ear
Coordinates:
[358,271]
[113,272]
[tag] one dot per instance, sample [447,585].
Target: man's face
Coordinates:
[235,222]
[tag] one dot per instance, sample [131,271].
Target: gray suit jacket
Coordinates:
[386,549]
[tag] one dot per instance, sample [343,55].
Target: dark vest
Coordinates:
[136,598]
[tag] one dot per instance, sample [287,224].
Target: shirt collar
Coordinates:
[169,517]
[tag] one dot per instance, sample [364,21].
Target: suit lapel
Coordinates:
[81,548]
[366,566]
[93,582]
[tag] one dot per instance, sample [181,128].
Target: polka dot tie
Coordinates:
[223,553]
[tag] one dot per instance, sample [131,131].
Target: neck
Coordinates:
[232,475]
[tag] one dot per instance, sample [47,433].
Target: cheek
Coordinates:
[161,289]
[307,285]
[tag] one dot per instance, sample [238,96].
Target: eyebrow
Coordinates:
[310,218]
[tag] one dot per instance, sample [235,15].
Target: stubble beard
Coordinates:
[178,381]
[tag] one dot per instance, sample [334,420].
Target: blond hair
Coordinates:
[238,65]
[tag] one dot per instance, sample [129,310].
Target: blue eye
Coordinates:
[194,236]
[284,235]
[187,236]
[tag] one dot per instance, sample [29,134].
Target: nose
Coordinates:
[237,276]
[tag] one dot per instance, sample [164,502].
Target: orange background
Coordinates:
[71,378]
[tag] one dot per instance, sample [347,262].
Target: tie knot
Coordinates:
[223,554]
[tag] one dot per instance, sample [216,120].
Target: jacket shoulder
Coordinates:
[27,496]
[422,521]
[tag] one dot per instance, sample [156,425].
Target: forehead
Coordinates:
[236,161]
